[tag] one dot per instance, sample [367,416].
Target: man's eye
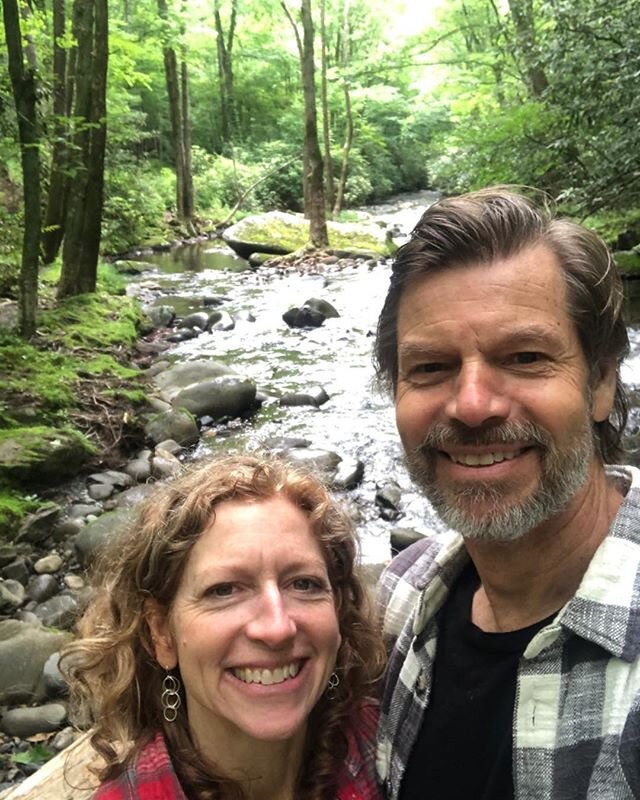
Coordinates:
[221,590]
[427,368]
[528,357]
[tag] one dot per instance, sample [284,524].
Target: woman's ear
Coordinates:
[164,649]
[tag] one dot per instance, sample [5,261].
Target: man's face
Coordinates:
[494,405]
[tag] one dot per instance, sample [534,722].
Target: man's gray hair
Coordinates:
[496,223]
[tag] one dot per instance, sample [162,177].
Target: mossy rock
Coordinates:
[279,233]
[628,262]
[14,507]
[42,456]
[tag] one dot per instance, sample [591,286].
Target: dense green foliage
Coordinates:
[470,97]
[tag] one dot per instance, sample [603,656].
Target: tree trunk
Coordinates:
[23,82]
[178,101]
[224,49]
[81,244]
[187,189]
[56,198]
[524,23]
[346,150]
[326,128]
[312,177]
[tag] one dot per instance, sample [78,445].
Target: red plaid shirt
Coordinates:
[150,775]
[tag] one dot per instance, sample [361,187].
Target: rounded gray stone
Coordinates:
[57,612]
[12,595]
[24,722]
[24,649]
[54,683]
[42,587]
[176,424]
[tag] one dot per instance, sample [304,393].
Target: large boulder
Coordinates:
[225,396]
[42,456]
[177,377]
[24,650]
[279,233]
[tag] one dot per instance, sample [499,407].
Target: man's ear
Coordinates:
[604,391]
[164,649]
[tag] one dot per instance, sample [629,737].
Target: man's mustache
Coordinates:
[525,434]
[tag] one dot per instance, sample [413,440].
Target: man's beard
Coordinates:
[485,512]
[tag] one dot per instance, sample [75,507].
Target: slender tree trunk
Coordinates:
[313,185]
[177,91]
[187,191]
[56,198]
[81,244]
[23,82]
[524,24]
[224,49]
[346,150]
[326,128]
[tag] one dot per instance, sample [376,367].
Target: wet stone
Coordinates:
[24,722]
[100,491]
[18,570]
[54,683]
[74,582]
[48,564]
[42,588]
[58,612]
[12,595]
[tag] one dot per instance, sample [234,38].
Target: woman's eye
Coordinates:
[308,584]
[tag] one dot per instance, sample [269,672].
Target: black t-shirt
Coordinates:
[463,750]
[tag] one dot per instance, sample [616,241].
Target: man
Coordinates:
[515,639]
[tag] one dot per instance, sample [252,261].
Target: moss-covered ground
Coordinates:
[73,373]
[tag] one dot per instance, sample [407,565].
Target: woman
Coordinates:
[227,653]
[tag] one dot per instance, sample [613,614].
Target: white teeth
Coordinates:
[266,677]
[482,459]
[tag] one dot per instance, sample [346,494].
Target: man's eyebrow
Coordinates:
[408,349]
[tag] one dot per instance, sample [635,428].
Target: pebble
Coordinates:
[48,565]
[74,582]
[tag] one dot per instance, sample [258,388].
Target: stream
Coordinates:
[358,421]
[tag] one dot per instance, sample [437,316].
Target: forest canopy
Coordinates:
[204,111]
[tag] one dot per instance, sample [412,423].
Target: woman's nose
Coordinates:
[272,623]
[478,397]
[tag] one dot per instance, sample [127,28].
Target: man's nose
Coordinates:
[478,397]
[272,623]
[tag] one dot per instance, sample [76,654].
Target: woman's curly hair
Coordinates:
[115,681]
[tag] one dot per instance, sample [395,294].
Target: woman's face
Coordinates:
[253,626]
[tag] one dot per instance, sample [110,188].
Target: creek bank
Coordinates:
[44,558]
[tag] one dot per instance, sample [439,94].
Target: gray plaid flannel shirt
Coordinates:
[576,721]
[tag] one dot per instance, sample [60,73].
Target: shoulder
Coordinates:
[149,774]
[408,574]
[358,777]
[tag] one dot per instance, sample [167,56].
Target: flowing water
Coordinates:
[358,420]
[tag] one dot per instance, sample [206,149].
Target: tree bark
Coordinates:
[524,24]
[224,49]
[326,127]
[346,150]
[312,160]
[81,244]
[178,95]
[53,230]
[24,85]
